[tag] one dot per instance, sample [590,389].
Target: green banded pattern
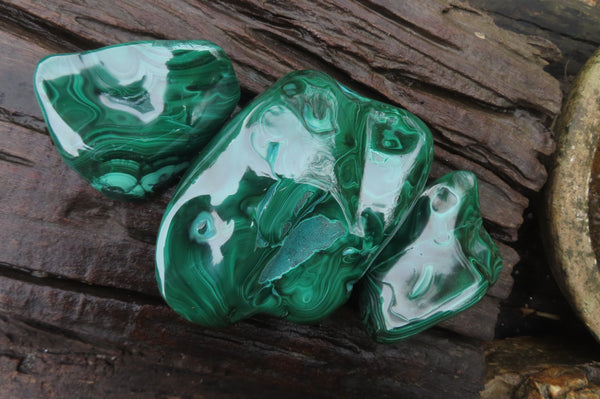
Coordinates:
[288,206]
[129,118]
[440,261]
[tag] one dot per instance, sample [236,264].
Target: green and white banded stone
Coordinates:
[129,118]
[440,262]
[288,206]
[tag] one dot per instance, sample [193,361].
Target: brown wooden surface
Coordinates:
[74,264]
[572,25]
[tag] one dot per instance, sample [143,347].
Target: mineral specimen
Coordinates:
[288,206]
[440,261]
[129,118]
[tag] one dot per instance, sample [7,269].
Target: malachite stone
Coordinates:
[288,206]
[440,261]
[129,118]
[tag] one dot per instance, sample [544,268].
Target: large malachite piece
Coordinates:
[440,261]
[289,205]
[129,118]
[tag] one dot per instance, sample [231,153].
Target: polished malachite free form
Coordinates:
[288,206]
[129,118]
[440,261]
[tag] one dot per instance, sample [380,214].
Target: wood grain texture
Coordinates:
[74,264]
[70,231]
[303,359]
[570,24]
[480,88]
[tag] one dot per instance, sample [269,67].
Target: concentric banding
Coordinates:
[299,191]
[128,118]
[440,262]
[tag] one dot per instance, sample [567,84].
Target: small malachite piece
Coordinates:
[440,261]
[129,118]
[289,205]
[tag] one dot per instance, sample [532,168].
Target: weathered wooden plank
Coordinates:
[37,363]
[70,230]
[56,225]
[503,286]
[479,321]
[73,261]
[506,216]
[425,58]
[53,222]
[19,106]
[336,353]
[570,24]
[20,55]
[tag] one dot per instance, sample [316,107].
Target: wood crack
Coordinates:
[545,29]
[298,52]
[15,159]
[44,29]
[110,29]
[30,122]
[406,24]
[45,279]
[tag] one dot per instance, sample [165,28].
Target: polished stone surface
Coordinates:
[129,118]
[286,209]
[440,261]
